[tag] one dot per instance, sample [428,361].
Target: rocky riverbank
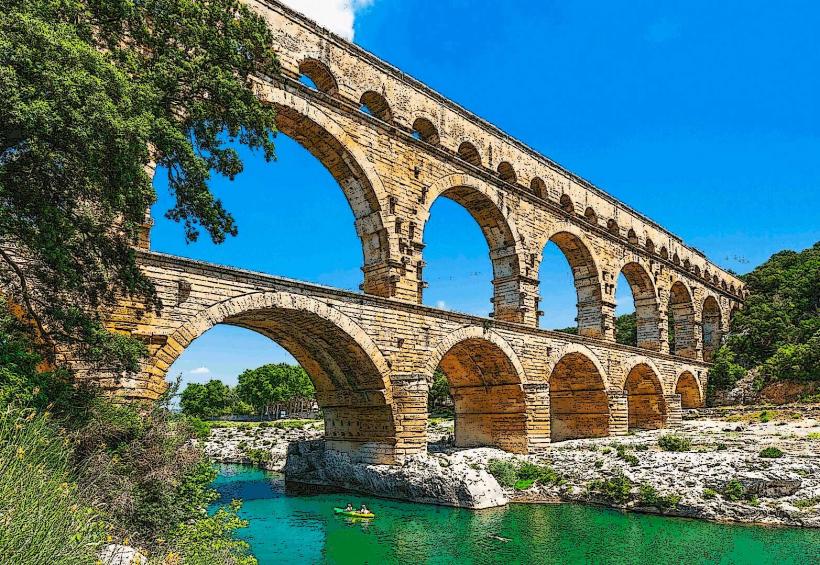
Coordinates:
[719,473]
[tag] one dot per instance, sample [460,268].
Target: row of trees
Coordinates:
[259,391]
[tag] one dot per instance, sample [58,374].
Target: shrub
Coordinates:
[523,484]
[503,471]
[522,476]
[770,453]
[673,442]
[722,447]
[709,494]
[542,474]
[764,416]
[734,490]
[200,428]
[804,503]
[209,540]
[649,496]
[257,456]
[616,489]
[622,453]
[813,435]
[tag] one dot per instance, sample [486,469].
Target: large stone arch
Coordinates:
[586,272]
[579,404]
[349,372]
[646,404]
[645,298]
[361,184]
[503,241]
[690,389]
[486,378]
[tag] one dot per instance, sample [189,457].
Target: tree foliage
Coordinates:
[273,383]
[93,91]
[626,329]
[778,330]
[439,394]
[208,400]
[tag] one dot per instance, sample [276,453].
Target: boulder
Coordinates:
[421,478]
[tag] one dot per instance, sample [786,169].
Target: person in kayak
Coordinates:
[349,507]
[363,509]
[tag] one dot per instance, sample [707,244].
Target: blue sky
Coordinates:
[702,115]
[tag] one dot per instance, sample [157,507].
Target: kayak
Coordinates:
[354,513]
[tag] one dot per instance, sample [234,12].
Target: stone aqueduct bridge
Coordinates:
[395,146]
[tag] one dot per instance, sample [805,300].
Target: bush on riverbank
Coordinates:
[523,475]
[617,489]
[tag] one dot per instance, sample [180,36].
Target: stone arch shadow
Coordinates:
[578,395]
[646,402]
[486,380]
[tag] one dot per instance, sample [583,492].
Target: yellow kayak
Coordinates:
[354,513]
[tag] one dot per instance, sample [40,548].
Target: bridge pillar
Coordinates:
[515,299]
[390,279]
[674,411]
[608,320]
[663,331]
[537,397]
[618,412]
[410,407]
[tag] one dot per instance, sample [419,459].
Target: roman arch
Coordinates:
[394,146]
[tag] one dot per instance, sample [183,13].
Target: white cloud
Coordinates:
[200,371]
[335,15]
[442,305]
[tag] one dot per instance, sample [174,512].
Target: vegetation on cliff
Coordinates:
[777,333]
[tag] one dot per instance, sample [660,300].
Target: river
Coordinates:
[304,529]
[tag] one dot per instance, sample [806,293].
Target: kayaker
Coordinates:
[349,508]
[363,509]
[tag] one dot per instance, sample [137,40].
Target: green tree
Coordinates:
[93,91]
[273,383]
[439,394]
[212,399]
[626,329]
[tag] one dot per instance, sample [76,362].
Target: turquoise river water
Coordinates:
[304,529]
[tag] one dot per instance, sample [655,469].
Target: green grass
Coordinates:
[624,454]
[42,516]
[813,435]
[709,493]
[290,424]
